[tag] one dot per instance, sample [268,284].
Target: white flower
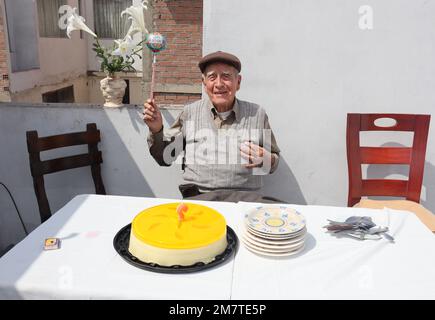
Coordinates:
[137,19]
[76,22]
[125,47]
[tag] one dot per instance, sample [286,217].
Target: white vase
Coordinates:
[113,89]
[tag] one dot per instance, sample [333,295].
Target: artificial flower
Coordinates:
[137,19]
[124,47]
[76,22]
[121,56]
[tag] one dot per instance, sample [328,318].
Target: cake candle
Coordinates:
[181,209]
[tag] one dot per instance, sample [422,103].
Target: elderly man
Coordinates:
[227,143]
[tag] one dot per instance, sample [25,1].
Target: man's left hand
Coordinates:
[255,155]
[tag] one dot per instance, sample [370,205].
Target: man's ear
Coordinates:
[239,80]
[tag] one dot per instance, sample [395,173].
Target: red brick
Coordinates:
[181,23]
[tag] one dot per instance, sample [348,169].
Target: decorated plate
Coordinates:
[276,242]
[272,254]
[270,236]
[275,220]
[273,247]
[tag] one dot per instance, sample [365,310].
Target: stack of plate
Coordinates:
[274,231]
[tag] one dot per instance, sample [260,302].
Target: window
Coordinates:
[107,17]
[22,37]
[65,95]
[48,16]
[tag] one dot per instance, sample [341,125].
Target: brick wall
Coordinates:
[180,22]
[4,71]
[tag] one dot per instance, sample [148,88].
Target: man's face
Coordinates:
[221,82]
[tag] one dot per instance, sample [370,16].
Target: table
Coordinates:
[88,267]
[344,268]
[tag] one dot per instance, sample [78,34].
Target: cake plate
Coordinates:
[122,240]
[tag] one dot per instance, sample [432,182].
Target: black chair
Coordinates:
[38,168]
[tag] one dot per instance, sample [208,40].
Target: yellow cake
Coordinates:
[167,236]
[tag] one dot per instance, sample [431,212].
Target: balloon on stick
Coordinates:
[156,43]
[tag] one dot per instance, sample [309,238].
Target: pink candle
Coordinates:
[181,210]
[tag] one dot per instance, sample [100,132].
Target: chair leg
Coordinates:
[352,201]
[98,181]
[41,196]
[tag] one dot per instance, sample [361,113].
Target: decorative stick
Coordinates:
[153,77]
[156,43]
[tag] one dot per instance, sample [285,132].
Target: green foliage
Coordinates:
[110,64]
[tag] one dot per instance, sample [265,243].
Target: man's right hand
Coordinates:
[152,116]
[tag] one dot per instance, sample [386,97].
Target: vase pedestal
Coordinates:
[113,89]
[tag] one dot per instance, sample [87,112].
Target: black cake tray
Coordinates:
[122,240]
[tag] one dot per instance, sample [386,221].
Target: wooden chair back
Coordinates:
[413,156]
[38,168]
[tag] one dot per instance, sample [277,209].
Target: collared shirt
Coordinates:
[209,177]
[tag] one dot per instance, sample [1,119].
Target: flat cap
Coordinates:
[220,56]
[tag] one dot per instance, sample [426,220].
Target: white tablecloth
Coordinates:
[88,267]
[343,268]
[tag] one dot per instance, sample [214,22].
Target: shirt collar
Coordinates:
[236,109]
